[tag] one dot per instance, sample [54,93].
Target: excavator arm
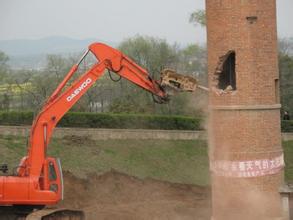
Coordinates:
[60,102]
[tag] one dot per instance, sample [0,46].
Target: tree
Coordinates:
[5,102]
[193,61]
[286,46]
[41,82]
[29,89]
[154,54]
[3,65]
[57,65]
[286,81]
[198,18]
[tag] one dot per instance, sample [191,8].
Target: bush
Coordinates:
[96,120]
[126,121]
[287,126]
[129,121]
[16,118]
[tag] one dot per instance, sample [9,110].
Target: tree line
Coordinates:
[27,90]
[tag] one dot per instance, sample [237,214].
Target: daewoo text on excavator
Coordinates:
[37,180]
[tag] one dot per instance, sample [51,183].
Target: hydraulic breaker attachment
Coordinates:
[173,82]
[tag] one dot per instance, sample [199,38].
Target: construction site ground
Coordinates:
[132,179]
[115,195]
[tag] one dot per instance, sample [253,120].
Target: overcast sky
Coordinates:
[112,20]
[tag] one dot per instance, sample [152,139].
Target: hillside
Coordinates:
[31,54]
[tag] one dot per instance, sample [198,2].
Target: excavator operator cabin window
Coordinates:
[227,75]
[52,172]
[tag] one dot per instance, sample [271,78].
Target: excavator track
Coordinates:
[56,214]
[10,213]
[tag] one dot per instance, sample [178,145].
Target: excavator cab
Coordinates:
[52,178]
[23,190]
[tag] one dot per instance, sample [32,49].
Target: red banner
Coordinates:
[250,168]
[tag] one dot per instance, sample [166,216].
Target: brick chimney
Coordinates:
[246,156]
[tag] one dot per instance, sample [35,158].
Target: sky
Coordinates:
[113,20]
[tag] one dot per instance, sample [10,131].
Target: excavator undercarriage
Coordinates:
[13,213]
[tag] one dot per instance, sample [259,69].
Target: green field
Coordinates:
[173,161]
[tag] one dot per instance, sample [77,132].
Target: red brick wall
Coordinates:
[255,46]
[245,124]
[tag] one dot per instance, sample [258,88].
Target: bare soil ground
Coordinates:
[114,195]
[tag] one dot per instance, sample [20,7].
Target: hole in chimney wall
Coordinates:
[251,19]
[225,73]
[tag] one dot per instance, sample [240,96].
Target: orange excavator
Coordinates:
[38,181]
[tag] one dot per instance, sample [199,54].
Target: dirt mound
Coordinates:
[114,195]
[78,140]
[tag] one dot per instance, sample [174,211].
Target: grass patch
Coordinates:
[173,161]
[288,150]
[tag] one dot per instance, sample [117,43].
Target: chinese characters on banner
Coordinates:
[251,168]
